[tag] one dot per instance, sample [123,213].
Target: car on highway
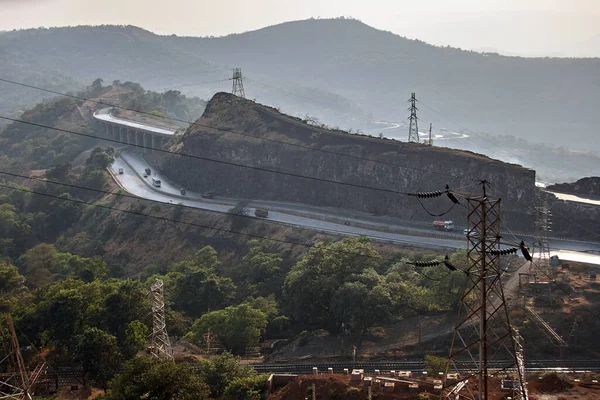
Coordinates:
[471,233]
[182,191]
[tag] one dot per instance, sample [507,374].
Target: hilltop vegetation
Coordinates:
[341,69]
[31,147]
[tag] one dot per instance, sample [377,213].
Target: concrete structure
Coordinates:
[132,133]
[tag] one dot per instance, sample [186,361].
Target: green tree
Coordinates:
[10,280]
[435,365]
[237,327]
[200,291]
[126,303]
[38,263]
[154,379]
[312,284]
[219,371]
[197,287]
[98,354]
[136,335]
[100,158]
[261,269]
[60,171]
[247,388]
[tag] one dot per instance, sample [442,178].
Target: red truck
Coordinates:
[443,225]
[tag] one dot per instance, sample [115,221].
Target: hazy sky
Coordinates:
[525,27]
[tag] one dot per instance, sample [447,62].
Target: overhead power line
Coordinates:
[229,163]
[226,130]
[186,223]
[117,194]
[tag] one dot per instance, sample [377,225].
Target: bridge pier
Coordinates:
[122,135]
[147,142]
[130,137]
[154,142]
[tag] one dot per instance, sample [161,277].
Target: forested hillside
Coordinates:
[30,147]
[78,255]
[342,71]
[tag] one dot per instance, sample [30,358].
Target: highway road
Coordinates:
[132,181]
[104,115]
[315,218]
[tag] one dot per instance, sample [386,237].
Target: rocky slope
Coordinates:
[353,159]
[583,187]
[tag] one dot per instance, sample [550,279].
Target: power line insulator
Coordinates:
[450,195]
[525,252]
[429,195]
[448,265]
[425,263]
[504,252]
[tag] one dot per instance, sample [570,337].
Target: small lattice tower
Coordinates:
[19,383]
[541,249]
[160,338]
[413,126]
[238,83]
[483,343]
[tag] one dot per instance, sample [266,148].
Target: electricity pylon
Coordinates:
[18,382]
[238,83]
[413,127]
[541,249]
[483,335]
[160,338]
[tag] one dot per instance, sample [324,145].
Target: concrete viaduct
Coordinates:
[131,132]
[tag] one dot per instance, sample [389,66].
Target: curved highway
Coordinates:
[412,233]
[104,115]
[132,181]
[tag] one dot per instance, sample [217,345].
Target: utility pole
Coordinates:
[160,338]
[483,332]
[430,143]
[413,128]
[209,337]
[238,83]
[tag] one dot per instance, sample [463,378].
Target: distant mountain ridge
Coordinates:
[364,73]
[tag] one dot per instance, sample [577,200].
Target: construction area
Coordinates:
[407,385]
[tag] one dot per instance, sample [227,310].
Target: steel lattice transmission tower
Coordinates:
[413,127]
[160,338]
[483,335]
[541,249]
[238,83]
[19,382]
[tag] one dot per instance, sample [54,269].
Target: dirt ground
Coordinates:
[334,387]
[79,394]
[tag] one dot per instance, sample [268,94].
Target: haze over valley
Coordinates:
[201,201]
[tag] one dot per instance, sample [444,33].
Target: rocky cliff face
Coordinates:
[583,187]
[374,162]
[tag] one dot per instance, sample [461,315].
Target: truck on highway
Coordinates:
[443,225]
[261,212]
[155,182]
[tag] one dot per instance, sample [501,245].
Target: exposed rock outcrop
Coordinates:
[353,159]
